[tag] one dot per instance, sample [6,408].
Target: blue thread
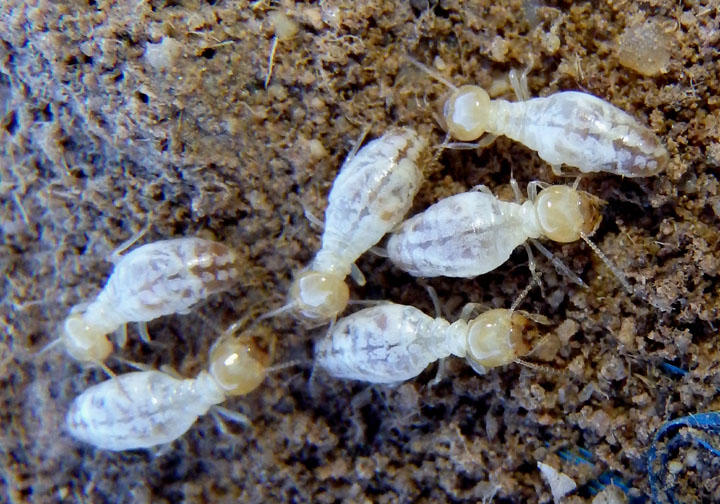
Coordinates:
[576,459]
[707,422]
[673,370]
[584,456]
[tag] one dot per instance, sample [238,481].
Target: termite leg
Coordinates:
[516,190]
[115,254]
[121,336]
[357,275]
[380,251]
[522,296]
[312,219]
[519,81]
[235,416]
[532,188]
[143,331]
[217,411]
[469,309]
[434,298]
[440,373]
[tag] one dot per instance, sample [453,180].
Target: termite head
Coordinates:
[319,295]
[466,113]
[496,338]
[238,366]
[85,341]
[564,213]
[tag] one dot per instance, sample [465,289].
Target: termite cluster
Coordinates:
[461,236]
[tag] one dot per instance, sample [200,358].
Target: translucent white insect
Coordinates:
[153,280]
[471,233]
[370,196]
[568,127]
[390,343]
[148,408]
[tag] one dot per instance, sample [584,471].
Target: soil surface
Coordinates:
[115,115]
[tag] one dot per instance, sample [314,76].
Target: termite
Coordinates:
[147,408]
[569,127]
[370,196]
[472,233]
[391,343]
[157,279]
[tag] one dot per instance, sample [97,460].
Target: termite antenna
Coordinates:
[439,148]
[523,294]
[618,274]
[559,265]
[289,364]
[577,182]
[532,265]
[277,311]
[311,380]
[135,365]
[432,73]
[538,344]
[366,302]
[48,347]
[440,373]
[536,317]
[539,367]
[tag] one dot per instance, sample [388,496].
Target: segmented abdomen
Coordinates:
[584,131]
[167,277]
[461,236]
[372,193]
[388,343]
[136,410]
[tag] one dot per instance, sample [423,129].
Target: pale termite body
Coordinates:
[156,279]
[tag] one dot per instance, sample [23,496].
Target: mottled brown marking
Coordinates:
[222,259]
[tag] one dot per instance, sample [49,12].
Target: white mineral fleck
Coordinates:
[560,483]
